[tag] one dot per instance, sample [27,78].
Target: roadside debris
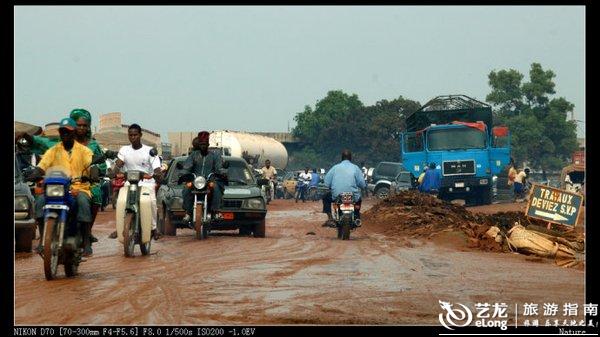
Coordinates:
[418,215]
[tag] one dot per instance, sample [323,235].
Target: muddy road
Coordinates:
[289,277]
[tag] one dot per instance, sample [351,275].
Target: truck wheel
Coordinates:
[169,227]
[23,240]
[259,229]
[382,192]
[485,196]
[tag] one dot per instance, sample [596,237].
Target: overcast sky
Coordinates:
[253,68]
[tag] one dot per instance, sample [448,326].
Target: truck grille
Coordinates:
[457,167]
[232,203]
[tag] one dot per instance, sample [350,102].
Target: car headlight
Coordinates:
[55,191]
[21,204]
[254,203]
[200,182]
[494,178]
[483,181]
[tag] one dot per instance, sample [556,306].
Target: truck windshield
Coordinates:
[455,139]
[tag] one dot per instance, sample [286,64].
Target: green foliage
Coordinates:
[341,121]
[541,133]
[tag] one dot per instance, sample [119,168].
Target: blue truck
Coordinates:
[456,132]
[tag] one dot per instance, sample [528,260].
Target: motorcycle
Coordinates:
[134,213]
[343,212]
[301,188]
[202,189]
[265,186]
[62,245]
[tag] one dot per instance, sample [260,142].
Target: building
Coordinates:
[112,134]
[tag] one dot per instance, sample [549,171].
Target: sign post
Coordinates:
[554,205]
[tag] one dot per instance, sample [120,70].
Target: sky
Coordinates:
[249,68]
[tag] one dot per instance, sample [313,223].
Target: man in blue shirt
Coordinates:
[314,179]
[343,177]
[432,180]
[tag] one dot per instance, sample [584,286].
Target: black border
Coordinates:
[591,230]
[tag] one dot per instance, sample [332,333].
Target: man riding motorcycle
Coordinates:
[136,157]
[83,135]
[202,162]
[75,159]
[343,177]
[270,173]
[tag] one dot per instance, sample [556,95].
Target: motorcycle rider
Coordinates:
[202,162]
[83,135]
[343,177]
[269,172]
[302,187]
[136,157]
[75,158]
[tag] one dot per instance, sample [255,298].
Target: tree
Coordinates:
[341,121]
[541,133]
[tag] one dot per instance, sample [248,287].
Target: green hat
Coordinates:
[67,123]
[81,113]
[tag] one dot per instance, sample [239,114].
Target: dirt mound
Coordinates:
[415,214]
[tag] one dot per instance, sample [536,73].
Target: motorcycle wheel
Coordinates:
[345,229]
[145,248]
[71,264]
[198,225]
[51,249]
[129,234]
[339,232]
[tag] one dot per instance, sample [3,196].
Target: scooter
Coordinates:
[134,213]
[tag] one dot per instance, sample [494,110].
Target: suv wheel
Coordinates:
[382,192]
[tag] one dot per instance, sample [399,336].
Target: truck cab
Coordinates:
[456,133]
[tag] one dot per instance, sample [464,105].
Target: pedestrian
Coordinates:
[520,184]
[432,180]
[365,172]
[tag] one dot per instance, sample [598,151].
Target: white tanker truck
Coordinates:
[255,149]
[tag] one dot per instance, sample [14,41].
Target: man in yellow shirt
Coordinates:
[75,159]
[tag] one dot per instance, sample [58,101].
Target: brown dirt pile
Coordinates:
[415,214]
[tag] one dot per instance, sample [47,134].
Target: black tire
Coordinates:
[23,240]
[198,225]
[485,197]
[345,228]
[244,230]
[71,264]
[259,229]
[145,248]
[51,249]
[339,232]
[168,226]
[382,192]
[128,234]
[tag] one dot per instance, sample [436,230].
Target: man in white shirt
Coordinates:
[303,186]
[137,157]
